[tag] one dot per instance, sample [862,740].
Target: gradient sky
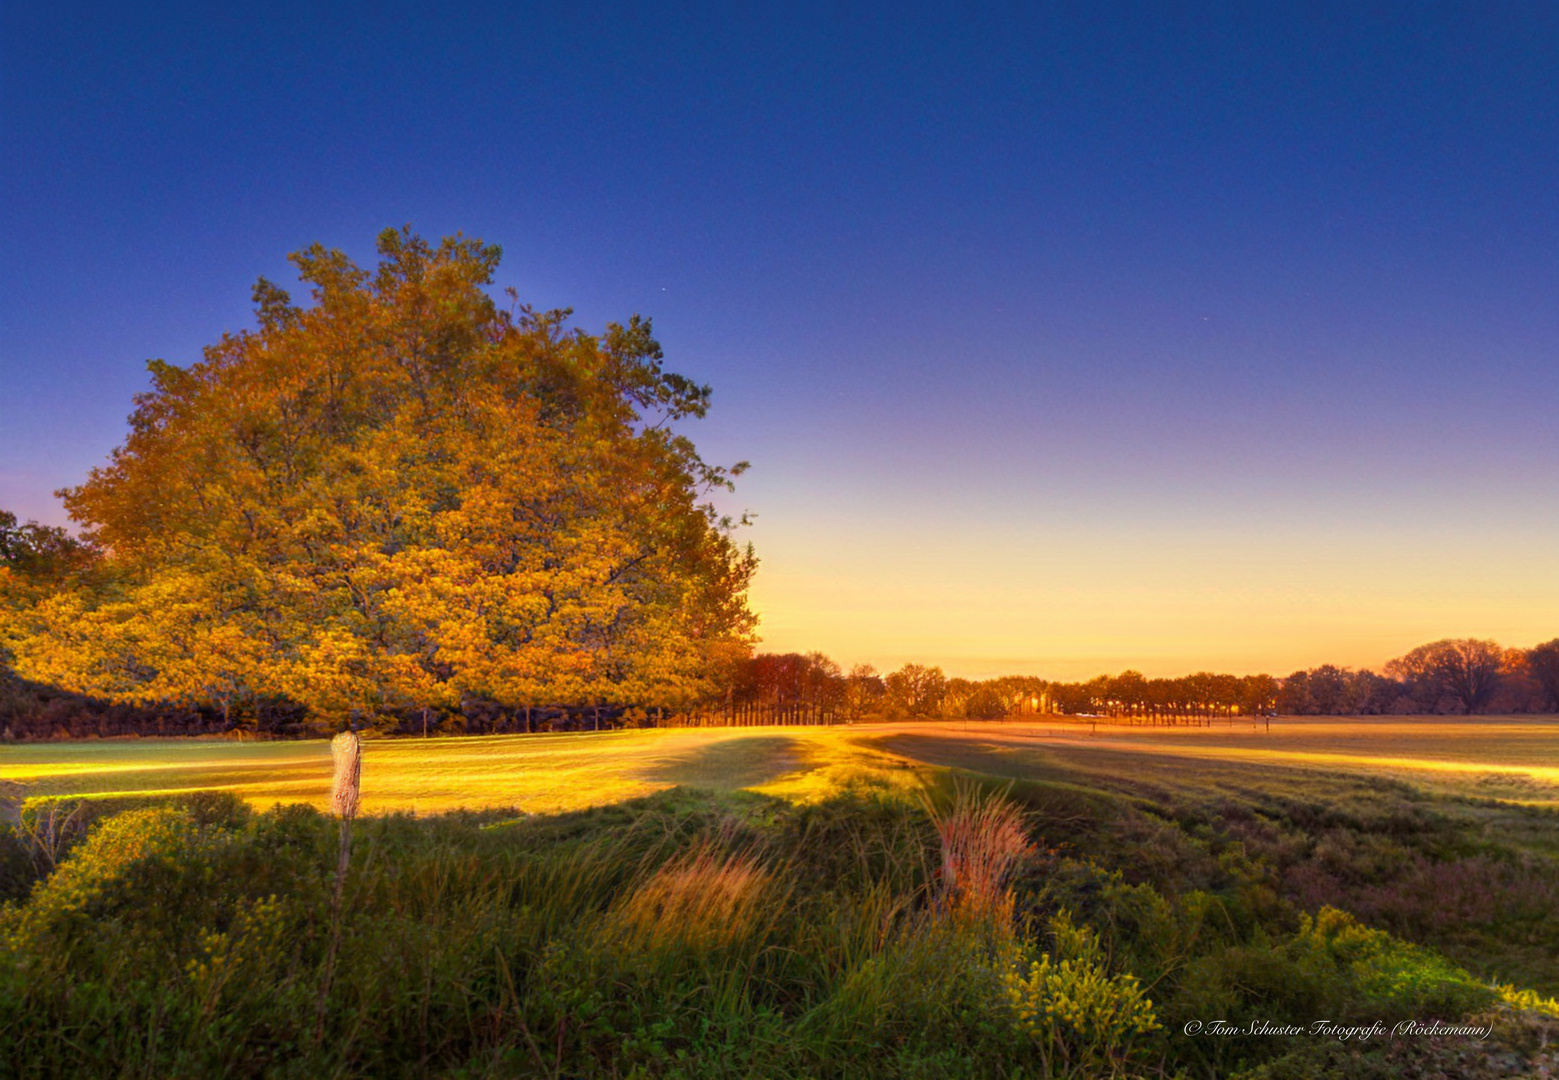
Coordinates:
[1222,338]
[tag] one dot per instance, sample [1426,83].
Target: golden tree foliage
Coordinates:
[403,496]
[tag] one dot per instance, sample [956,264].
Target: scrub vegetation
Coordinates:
[922,905]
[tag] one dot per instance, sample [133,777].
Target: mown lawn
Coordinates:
[537,773]
[1506,758]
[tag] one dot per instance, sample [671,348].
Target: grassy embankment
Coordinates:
[803,928]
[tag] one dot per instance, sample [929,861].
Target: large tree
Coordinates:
[1463,672]
[404,496]
[915,689]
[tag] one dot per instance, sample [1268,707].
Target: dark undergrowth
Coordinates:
[1476,879]
[690,935]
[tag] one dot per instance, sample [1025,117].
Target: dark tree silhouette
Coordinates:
[1543,665]
[1464,671]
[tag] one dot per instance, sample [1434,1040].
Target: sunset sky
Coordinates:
[1225,339]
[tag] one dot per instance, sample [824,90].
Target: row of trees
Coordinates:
[1452,676]
[1455,676]
[779,688]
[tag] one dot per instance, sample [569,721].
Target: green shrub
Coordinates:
[1393,978]
[1084,1021]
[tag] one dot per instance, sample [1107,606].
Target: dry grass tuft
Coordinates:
[983,839]
[701,898]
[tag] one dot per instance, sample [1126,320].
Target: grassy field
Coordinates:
[789,902]
[1512,759]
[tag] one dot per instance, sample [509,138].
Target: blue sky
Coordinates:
[1059,342]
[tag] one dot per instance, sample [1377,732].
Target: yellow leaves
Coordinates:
[69,644]
[171,639]
[1073,1008]
[1525,1000]
[333,670]
[400,498]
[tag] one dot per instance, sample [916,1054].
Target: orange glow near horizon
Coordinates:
[1072,605]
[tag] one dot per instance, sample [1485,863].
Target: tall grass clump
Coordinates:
[910,957]
[701,898]
[982,841]
[1081,1019]
[686,958]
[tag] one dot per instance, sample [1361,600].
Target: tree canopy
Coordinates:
[400,496]
[1465,671]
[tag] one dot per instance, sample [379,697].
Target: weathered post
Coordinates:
[346,751]
[346,792]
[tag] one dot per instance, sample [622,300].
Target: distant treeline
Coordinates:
[1457,676]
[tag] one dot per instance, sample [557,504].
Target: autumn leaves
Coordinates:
[400,497]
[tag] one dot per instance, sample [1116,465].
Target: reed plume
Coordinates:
[982,841]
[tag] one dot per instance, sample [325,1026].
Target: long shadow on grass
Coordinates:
[731,763]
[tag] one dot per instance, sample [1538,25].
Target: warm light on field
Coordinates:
[1516,760]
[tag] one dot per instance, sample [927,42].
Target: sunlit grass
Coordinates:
[1511,759]
[1514,760]
[538,773]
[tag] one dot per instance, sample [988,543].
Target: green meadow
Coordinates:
[985,899]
